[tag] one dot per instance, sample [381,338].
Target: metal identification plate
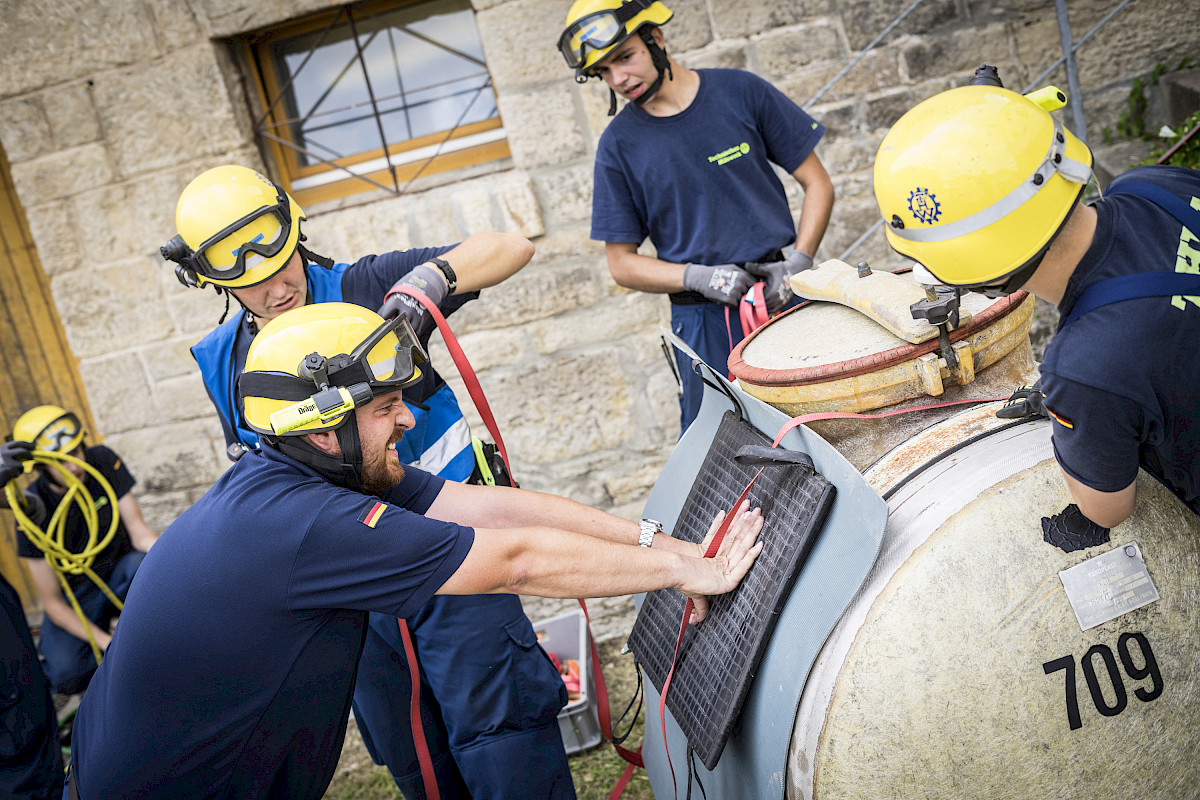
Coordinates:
[1109,585]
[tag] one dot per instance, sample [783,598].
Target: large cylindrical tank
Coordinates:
[961,669]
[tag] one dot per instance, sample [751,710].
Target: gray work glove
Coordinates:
[12,458]
[724,283]
[33,507]
[776,273]
[426,279]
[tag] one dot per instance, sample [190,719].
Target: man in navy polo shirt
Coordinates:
[232,670]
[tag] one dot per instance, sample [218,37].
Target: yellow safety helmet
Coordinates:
[974,183]
[50,428]
[309,367]
[594,27]
[236,228]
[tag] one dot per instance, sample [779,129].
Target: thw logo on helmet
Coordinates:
[924,205]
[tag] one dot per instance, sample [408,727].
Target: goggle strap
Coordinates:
[275,385]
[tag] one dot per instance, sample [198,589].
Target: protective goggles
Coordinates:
[342,382]
[372,362]
[596,31]
[61,435]
[228,263]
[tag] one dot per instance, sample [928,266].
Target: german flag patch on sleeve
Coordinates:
[1059,418]
[371,516]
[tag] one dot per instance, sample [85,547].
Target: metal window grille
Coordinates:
[377,94]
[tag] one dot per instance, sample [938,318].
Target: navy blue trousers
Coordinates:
[70,663]
[703,328]
[489,701]
[31,766]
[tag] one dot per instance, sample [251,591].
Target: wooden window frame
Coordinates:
[391,170]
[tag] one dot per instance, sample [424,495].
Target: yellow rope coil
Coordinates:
[51,540]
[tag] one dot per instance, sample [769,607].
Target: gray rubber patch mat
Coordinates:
[718,657]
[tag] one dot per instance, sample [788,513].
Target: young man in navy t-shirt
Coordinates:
[689,164]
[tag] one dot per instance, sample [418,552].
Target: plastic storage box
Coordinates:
[566,636]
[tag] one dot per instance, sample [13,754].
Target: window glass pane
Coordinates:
[426,71]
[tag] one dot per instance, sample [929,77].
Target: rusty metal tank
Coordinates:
[977,660]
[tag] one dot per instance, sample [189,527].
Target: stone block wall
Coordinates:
[109,107]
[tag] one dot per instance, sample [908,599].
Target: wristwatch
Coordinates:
[648,527]
[447,270]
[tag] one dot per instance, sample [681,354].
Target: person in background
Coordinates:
[65,639]
[689,163]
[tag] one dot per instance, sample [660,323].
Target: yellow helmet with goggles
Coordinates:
[49,428]
[308,368]
[594,27]
[236,228]
[974,184]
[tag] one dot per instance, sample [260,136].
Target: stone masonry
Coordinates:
[109,107]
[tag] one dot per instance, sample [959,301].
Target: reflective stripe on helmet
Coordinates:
[1054,162]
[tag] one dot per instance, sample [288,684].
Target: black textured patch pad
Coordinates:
[718,657]
[1069,530]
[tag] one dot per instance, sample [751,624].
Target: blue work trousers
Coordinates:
[69,661]
[702,326]
[489,701]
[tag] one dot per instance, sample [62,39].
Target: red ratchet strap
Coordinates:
[414,716]
[752,310]
[715,545]
[464,367]
[633,758]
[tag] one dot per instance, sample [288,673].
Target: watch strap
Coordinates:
[447,270]
[647,529]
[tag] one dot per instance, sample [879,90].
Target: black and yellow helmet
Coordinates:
[324,347]
[49,428]
[236,228]
[594,27]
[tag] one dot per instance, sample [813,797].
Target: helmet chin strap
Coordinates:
[344,470]
[658,56]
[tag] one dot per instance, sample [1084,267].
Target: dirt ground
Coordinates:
[594,771]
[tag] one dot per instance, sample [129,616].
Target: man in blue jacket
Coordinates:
[241,233]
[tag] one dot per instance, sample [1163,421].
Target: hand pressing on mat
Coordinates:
[723,572]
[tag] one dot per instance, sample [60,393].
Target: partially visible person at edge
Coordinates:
[688,163]
[470,649]
[233,666]
[31,766]
[64,639]
[999,213]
